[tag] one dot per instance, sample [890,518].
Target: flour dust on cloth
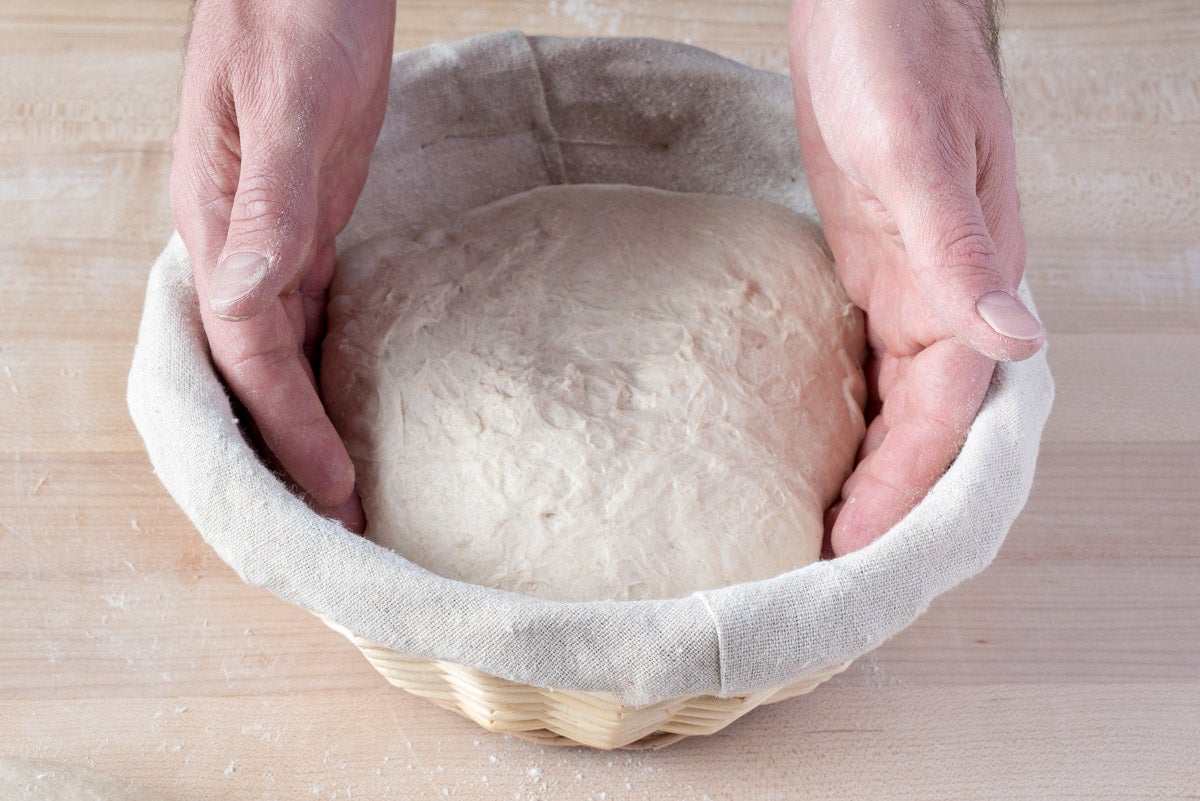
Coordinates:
[599,392]
[469,123]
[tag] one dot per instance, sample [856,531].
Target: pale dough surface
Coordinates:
[21,780]
[598,392]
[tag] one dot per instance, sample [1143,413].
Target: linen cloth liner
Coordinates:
[473,121]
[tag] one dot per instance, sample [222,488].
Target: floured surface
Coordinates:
[1067,670]
[598,392]
[21,780]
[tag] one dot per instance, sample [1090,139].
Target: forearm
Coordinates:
[985,16]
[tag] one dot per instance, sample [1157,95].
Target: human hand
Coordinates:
[908,148]
[281,103]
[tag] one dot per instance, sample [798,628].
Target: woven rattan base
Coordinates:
[552,717]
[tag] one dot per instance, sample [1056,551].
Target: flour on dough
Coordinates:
[21,780]
[598,392]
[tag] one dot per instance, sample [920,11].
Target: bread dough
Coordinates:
[21,780]
[598,392]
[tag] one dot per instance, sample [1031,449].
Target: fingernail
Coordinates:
[1008,316]
[236,277]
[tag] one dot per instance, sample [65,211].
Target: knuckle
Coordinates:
[266,382]
[962,252]
[259,200]
[245,368]
[265,201]
[969,245]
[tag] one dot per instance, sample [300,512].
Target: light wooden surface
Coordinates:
[1069,670]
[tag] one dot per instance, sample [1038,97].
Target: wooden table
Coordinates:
[1069,670]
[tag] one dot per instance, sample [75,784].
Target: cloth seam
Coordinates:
[716,621]
[547,135]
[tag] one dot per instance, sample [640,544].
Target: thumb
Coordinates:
[968,270]
[272,225]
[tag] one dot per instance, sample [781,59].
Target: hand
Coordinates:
[908,147]
[281,103]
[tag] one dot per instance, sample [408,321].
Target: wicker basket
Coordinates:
[554,717]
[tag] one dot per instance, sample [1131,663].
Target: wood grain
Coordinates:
[1070,669]
[990,742]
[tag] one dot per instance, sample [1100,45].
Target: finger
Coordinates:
[940,393]
[313,298]
[960,273]
[263,364]
[350,514]
[876,433]
[967,257]
[826,542]
[272,222]
[204,169]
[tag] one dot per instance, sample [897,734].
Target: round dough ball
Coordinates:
[598,392]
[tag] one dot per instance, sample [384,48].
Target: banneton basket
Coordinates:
[469,123]
[564,717]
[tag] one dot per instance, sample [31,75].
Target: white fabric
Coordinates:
[477,120]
